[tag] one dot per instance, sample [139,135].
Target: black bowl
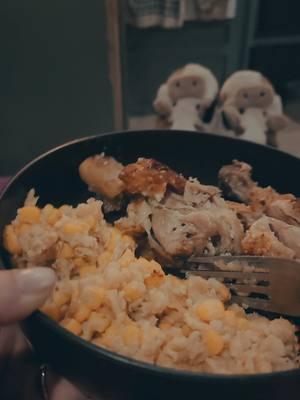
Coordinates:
[98,371]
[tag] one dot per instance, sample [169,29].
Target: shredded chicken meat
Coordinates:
[175,217]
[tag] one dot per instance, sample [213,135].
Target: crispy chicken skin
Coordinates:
[151,179]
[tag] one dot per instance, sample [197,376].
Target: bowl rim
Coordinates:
[117,358]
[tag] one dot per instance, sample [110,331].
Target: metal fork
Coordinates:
[260,283]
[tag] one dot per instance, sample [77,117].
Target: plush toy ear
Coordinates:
[162,103]
[209,112]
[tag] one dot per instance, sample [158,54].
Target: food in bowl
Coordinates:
[112,289]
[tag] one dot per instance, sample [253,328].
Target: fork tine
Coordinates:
[256,304]
[259,276]
[247,289]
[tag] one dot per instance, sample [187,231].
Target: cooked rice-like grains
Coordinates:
[108,296]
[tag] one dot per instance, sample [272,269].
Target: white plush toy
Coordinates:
[251,107]
[186,96]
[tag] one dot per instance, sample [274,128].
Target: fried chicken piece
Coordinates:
[271,237]
[101,174]
[137,220]
[199,222]
[151,179]
[244,212]
[236,182]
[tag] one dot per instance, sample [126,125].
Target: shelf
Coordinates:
[276,41]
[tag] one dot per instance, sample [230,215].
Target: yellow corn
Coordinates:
[243,324]
[22,228]
[165,326]
[92,297]
[99,322]
[72,326]
[104,258]
[82,313]
[126,258]
[229,317]
[132,292]
[64,208]
[71,228]
[109,335]
[111,245]
[210,309]
[52,214]
[80,262]
[52,310]
[238,311]
[10,240]
[132,335]
[29,215]
[154,281]
[61,297]
[66,251]
[214,342]
[87,270]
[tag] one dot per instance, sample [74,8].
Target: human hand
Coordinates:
[21,292]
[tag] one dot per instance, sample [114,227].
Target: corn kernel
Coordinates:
[242,324]
[109,335]
[87,270]
[53,216]
[52,310]
[132,335]
[214,342]
[111,245]
[29,215]
[154,281]
[230,317]
[238,311]
[61,297]
[80,262]
[66,251]
[82,313]
[224,293]
[165,326]
[10,240]
[72,229]
[98,341]
[72,326]
[64,208]
[21,228]
[99,322]
[92,297]
[126,258]
[132,292]
[210,309]
[104,258]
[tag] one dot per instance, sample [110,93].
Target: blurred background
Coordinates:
[72,68]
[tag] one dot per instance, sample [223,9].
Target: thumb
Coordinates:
[23,291]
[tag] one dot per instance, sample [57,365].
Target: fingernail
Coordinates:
[36,279]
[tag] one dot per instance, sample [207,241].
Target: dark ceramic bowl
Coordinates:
[98,371]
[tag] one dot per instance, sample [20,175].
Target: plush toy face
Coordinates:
[186,86]
[260,96]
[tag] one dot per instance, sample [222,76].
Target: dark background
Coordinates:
[54,82]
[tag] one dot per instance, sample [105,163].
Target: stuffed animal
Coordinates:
[251,107]
[185,98]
